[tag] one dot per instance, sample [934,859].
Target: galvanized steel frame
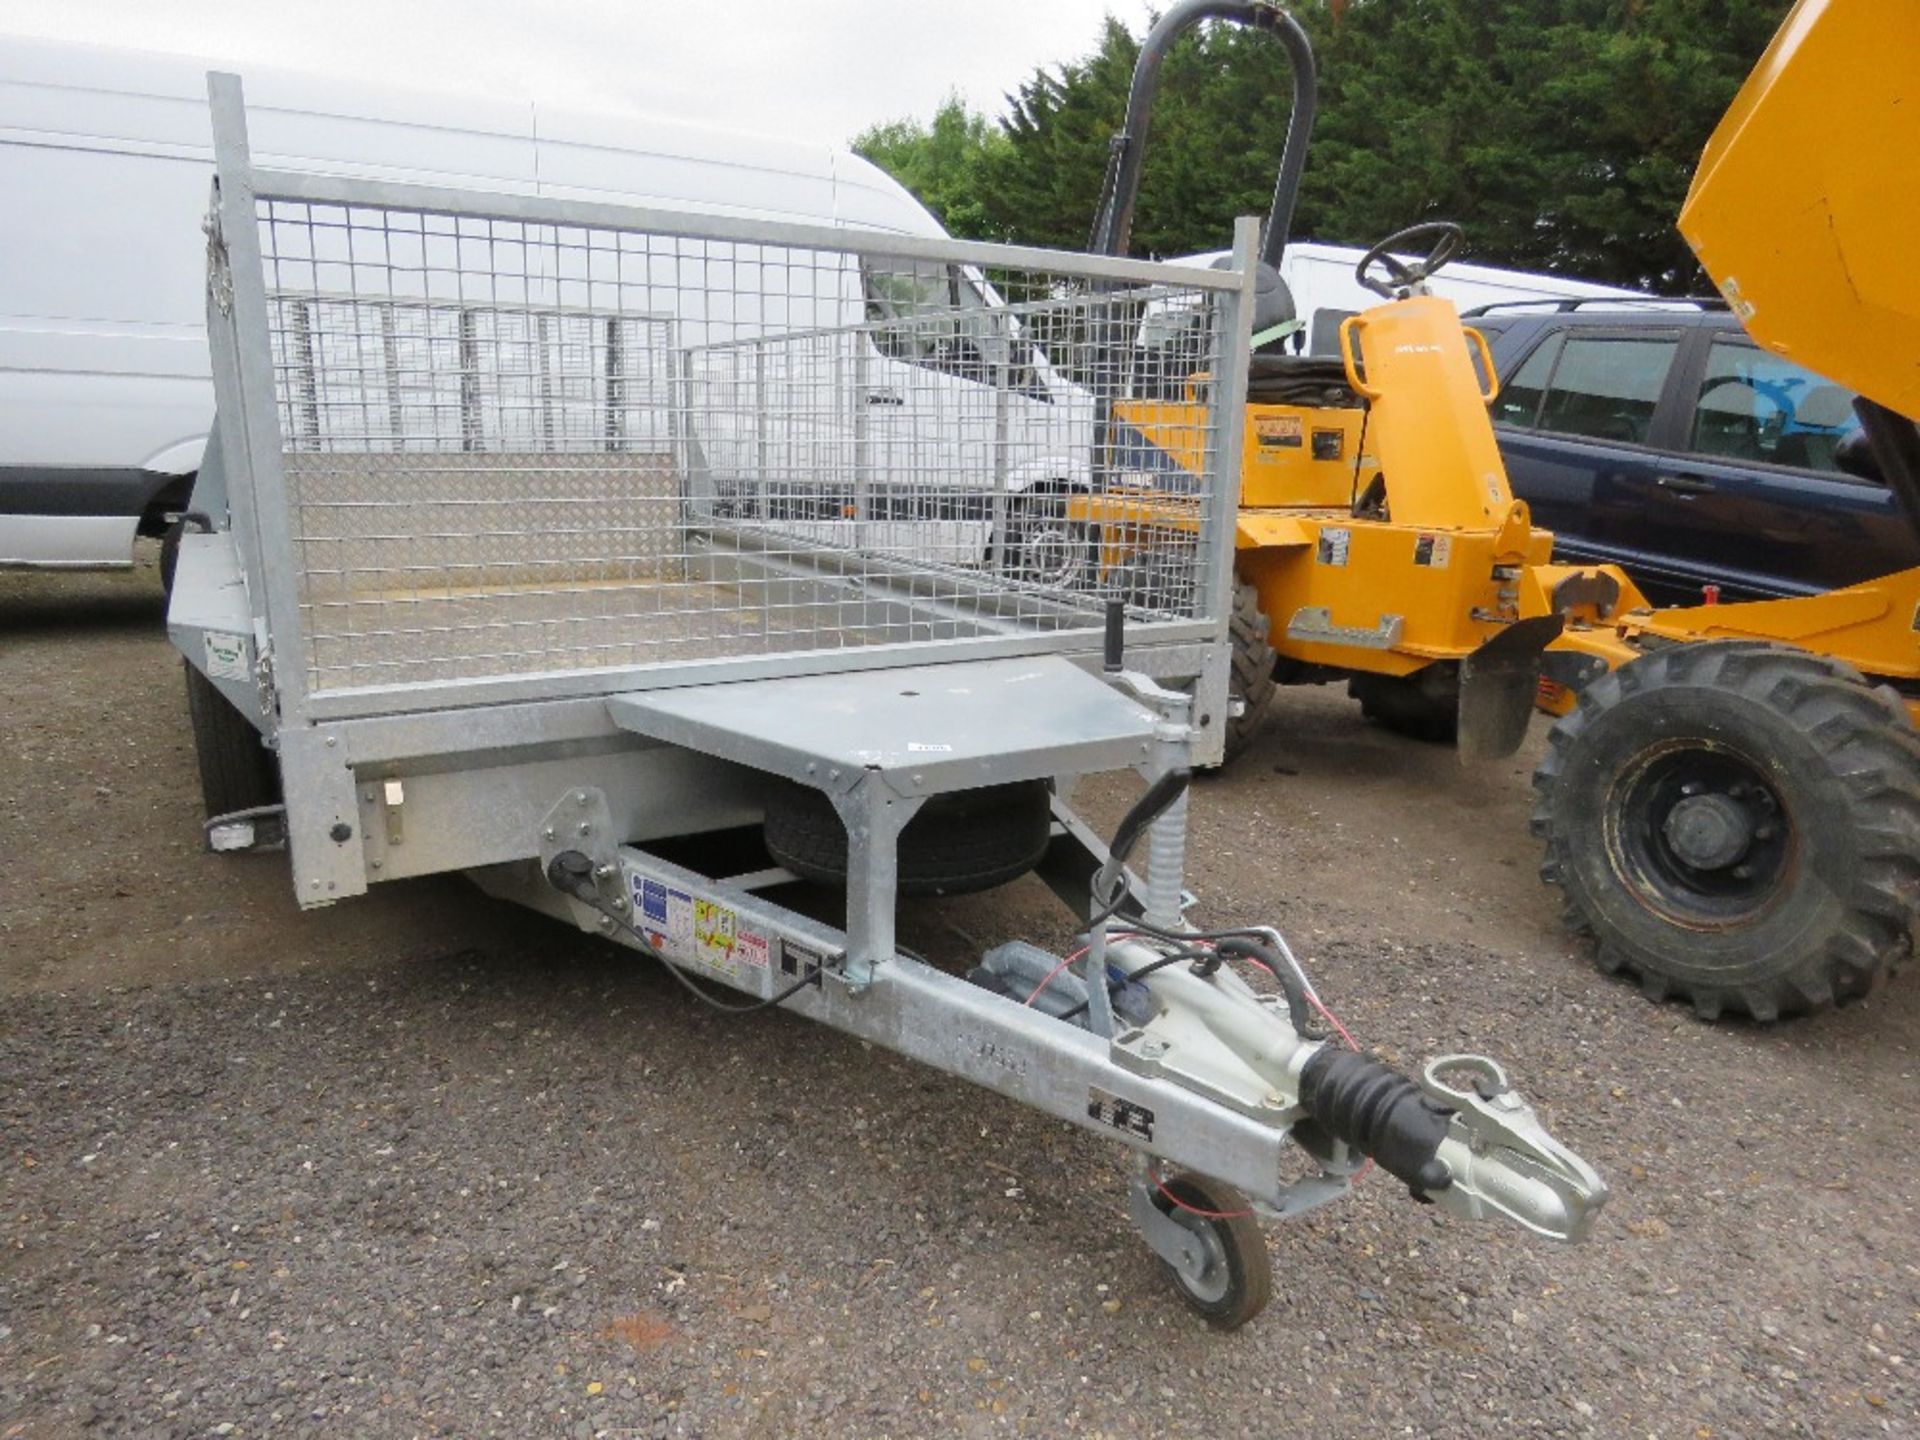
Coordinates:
[327,739]
[244,381]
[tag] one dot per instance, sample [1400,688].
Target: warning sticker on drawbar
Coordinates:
[1433,550]
[1106,1108]
[716,942]
[1334,545]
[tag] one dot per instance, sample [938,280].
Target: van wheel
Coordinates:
[237,772]
[170,555]
[956,844]
[1738,825]
[1044,547]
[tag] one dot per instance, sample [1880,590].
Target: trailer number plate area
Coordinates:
[1106,1108]
[690,928]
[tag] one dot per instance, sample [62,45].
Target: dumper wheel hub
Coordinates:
[1702,835]
[1709,832]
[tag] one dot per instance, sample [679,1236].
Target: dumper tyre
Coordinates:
[1239,1282]
[237,771]
[1737,824]
[959,843]
[1250,683]
[1422,706]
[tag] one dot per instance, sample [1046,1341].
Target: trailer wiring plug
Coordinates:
[571,873]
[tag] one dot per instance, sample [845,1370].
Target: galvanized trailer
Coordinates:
[539,538]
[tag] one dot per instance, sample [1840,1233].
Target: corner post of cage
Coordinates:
[1232,345]
[243,375]
[227,448]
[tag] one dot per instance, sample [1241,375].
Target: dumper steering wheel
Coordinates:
[1401,278]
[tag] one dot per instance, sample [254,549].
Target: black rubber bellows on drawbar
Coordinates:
[1381,1113]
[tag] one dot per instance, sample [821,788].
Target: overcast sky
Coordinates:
[804,69]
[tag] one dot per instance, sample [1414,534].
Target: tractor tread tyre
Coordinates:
[1251,680]
[237,772]
[1407,704]
[1841,915]
[957,844]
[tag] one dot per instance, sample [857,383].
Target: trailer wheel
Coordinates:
[1250,684]
[1738,825]
[959,843]
[237,772]
[1235,1278]
[1422,706]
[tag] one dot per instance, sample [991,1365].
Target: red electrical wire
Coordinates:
[1333,1020]
[1161,1186]
[1158,1183]
[1039,989]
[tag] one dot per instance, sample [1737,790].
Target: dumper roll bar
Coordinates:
[1113,218]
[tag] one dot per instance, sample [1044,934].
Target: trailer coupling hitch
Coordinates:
[1478,1151]
[1502,1161]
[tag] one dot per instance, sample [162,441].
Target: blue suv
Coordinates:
[1661,438]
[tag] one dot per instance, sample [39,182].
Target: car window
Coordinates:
[1607,386]
[1756,406]
[1518,402]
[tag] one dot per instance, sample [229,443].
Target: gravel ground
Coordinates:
[425,1165]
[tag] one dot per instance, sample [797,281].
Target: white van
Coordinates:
[105,161]
[1325,291]
[1321,280]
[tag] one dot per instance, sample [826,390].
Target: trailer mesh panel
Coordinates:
[515,448]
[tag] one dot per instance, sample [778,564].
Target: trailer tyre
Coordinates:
[1250,684]
[237,772]
[1738,825]
[1236,1280]
[959,843]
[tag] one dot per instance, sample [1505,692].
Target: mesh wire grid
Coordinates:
[514,447]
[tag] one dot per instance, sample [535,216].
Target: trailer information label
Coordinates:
[666,916]
[1129,1118]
